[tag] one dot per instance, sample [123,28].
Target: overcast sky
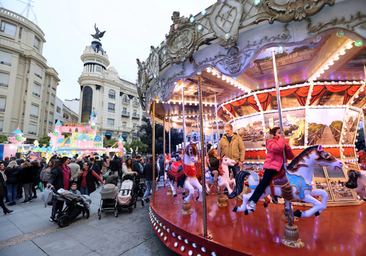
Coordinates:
[132,26]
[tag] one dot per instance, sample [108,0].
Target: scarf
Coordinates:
[66,172]
[4,175]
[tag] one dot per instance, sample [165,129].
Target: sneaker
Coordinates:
[25,202]
[30,200]
[251,206]
[34,196]
[51,219]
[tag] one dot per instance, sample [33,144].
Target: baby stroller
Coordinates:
[127,196]
[75,205]
[108,199]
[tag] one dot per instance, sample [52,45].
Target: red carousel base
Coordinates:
[337,231]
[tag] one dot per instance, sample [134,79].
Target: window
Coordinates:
[111,107]
[86,107]
[124,110]
[20,32]
[1,124]
[58,110]
[134,126]
[36,90]
[5,58]
[34,111]
[38,72]
[90,60]
[52,100]
[125,100]
[99,61]
[2,104]
[8,28]
[32,129]
[99,69]
[124,124]
[110,121]
[36,42]
[134,113]
[50,117]
[111,94]
[4,80]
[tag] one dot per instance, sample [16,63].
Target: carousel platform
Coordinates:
[337,231]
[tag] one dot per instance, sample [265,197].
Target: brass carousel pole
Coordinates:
[164,138]
[170,192]
[184,121]
[202,158]
[291,237]
[170,138]
[153,149]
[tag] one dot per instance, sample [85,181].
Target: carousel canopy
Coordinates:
[229,46]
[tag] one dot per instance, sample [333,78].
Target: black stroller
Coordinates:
[127,196]
[75,205]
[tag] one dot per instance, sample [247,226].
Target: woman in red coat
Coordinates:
[275,144]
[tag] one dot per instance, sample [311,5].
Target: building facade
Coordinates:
[73,104]
[115,100]
[28,85]
[64,113]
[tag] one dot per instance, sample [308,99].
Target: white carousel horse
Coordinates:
[296,182]
[357,181]
[184,174]
[223,179]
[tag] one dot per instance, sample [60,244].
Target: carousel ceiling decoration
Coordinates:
[221,22]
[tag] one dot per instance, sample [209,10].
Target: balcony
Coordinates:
[136,116]
[5,63]
[50,122]
[125,114]
[136,103]
[34,116]
[54,89]
[111,110]
[38,75]
[4,85]
[52,104]
[125,101]
[36,94]
[33,133]
[44,120]
[2,109]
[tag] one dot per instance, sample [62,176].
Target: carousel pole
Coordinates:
[153,149]
[184,121]
[291,237]
[164,139]
[202,159]
[217,127]
[170,138]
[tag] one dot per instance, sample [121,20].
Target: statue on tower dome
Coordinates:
[98,34]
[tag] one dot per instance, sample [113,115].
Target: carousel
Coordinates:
[259,64]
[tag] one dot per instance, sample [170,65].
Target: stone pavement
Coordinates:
[27,231]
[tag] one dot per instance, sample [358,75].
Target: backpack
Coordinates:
[141,168]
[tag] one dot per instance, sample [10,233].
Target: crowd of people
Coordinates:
[20,178]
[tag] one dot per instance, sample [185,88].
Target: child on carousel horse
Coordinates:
[275,144]
[214,161]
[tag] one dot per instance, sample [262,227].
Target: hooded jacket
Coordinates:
[234,150]
[275,146]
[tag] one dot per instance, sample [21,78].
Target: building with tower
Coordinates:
[116,100]
[28,85]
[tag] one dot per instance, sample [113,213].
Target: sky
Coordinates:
[132,27]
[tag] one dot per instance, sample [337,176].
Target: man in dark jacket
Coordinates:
[137,166]
[148,170]
[114,165]
[2,194]
[161,165]
[57,181]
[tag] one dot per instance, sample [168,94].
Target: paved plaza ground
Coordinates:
[27,231]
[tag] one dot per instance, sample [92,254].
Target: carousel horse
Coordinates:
[357,181]
[183,174]
[293,184]
[224,177]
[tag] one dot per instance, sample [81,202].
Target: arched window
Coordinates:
[87,104]
[112,94]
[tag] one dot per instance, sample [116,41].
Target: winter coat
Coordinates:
[57,178]
[148,171]
[75,170]
[27,175]
[36,172]
[275,146]
[104,167]
[45,174]
[114,165]
[2,186]
[13,175]
[234,150]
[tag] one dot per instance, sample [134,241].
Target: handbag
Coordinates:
[47,196]
[40,186]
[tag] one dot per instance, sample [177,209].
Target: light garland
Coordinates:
[230,80]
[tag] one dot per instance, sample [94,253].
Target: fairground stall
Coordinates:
[80,139]
[247,63]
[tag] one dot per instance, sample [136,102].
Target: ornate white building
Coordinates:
[27,84]
[115,99]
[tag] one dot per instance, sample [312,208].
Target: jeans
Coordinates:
[56,207]
[28,191]
[267,177]
[149,185]
[235,169]
[84,191]
[12,191]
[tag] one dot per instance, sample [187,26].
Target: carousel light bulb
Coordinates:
[336,57]
[176,244]
[358,43]
[203,12]
[342,52]
[331,63]
[199,27]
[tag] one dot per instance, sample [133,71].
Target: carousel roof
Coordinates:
[236,66]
